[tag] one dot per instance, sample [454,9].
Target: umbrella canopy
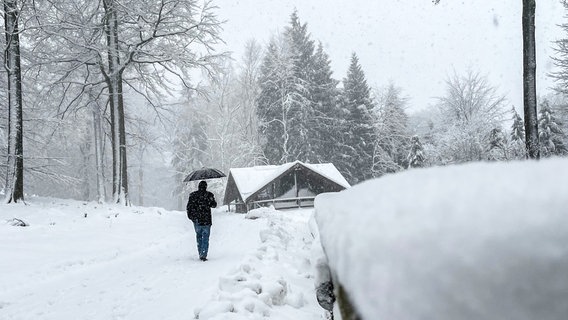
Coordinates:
[203,174]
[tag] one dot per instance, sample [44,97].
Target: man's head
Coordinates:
[202,185]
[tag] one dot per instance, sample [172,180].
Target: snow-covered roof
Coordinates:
[250,180]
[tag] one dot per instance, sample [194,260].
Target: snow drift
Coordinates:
[475,241]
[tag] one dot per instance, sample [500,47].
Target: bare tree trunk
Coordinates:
[86,153]
[113,78]
[141,150]
[124,199]
[99,157]
[529,80]
[15,168]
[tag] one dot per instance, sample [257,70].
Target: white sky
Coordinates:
[411,42]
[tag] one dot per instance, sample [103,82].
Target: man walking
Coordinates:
[199,211]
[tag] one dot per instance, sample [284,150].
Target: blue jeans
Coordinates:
[202,239]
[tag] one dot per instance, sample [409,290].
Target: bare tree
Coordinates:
[529,78]
[12,63]
[560,75]
[393,137]
[470,109]
[247,93]
[149,46]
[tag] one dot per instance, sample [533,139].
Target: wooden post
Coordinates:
[296,185]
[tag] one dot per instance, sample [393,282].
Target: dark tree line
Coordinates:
[302,113]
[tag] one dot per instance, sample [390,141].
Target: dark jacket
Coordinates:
[199,206]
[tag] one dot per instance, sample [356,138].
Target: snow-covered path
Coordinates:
[141,263]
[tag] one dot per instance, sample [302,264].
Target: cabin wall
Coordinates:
[283,190]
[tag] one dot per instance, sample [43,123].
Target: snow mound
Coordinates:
[263,212]
[271,281]
[475,241]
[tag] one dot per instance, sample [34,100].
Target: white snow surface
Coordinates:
[79,260]
[475,241]
[250,179]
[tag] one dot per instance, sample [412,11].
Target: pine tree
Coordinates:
[360,139]
[416,155]
[327,115]
[550,132]
[275,103]
[517,141]
[496,145]
[301,51]
[296,92]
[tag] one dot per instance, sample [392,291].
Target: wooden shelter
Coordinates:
[294,184]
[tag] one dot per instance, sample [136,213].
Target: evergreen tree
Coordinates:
[301,126]
[416,155]
[496,145]
[302,48]
[296,93]
[276,102]
[360,136]
[326,123]
[517,141]
[392,133]
[550,132]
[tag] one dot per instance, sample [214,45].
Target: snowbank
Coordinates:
[475,241]
[276,280]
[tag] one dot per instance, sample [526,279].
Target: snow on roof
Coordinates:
[250,180]
[329,171]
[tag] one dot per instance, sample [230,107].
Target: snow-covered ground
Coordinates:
[475,241]
[80,260]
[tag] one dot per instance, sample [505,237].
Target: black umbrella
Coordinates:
[203,174]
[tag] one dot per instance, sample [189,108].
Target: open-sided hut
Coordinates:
[294,184]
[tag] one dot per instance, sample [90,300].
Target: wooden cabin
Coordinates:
[289,185]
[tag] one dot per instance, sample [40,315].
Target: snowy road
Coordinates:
[141,263]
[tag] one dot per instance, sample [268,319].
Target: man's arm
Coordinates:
[189,208]
[212,202]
